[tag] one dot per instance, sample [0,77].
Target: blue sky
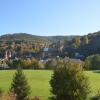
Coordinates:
[50,17]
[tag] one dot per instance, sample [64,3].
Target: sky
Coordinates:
[50,17]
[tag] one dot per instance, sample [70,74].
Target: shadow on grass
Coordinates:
[95,98]
[96,71]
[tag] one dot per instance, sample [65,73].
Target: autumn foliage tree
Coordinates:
[85,40]
[77,41]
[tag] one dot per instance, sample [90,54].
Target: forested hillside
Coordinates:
[30,37]
[84,45]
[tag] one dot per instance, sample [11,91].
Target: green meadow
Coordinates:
[39,81]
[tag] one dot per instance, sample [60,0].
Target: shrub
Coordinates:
[51,64]
[93,62]
[24,63]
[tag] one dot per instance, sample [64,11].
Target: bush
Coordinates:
[51,64]
[24,63]
[93,62]
[69,82]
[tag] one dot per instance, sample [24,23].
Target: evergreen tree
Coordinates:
[20,86]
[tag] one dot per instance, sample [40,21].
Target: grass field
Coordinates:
[39,81]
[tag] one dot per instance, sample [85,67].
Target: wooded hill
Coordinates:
[85,45]
[23,42]
[30,37]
